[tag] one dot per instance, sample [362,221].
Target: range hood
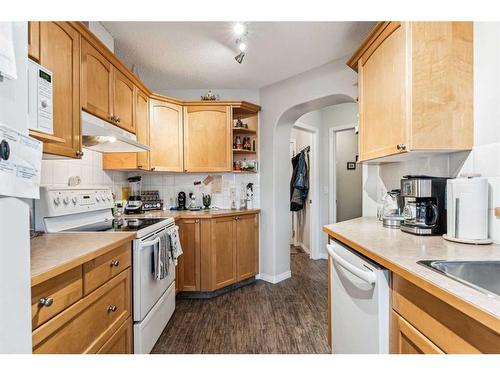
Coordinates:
[102,136]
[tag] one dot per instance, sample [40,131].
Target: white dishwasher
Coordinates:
[359,302]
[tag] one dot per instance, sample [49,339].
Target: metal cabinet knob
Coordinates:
[197,221]
[79,153]
[117,119]
[401,146]
[115,263]
[112,308]
[45,301]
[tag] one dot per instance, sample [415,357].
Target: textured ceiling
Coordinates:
[188,55]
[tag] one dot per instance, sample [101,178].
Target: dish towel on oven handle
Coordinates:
[175,244]
[161,258]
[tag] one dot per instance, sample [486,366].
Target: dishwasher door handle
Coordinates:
[369,277]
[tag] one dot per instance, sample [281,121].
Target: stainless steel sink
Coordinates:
[481,275]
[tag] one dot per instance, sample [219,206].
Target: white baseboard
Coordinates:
[274,279]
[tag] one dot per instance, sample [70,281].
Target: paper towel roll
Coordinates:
[467,208]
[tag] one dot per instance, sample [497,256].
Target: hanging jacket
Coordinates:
[299,184]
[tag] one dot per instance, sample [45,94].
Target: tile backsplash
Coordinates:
[170,184]
[89,168]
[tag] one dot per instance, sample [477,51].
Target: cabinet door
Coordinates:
[223,248]
[60,53]
[383,109]
[120,342]
[142,127]
[133,160]
[207,139]
[188,267]
[406,339]
[96,82]
[165,136]
[34,40]
[247,245]
[123,101]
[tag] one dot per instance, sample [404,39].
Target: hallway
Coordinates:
[289,317]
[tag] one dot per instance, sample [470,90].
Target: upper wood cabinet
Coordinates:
[106,92]
[207,138]
[123,101]
[97,82]
[34,40]
[60,53]
[415,89]
[166,136]
[133,160]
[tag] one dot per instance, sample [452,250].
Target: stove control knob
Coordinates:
[103,198]
[66,200]
[109,198]
[97,199]
[74,200]
[57,200]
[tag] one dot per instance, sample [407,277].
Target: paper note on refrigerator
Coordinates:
[20,164]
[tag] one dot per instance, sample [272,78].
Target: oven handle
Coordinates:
[151,243]
[368,277]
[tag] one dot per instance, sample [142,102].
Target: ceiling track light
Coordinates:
[239,57]
[241,30]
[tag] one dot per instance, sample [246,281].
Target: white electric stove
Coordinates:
[88,209]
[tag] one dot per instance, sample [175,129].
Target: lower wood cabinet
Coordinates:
[218,252]
[86,309]
[423,323]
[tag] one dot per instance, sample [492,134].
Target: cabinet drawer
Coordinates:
[54,295]
[89,323]
[101,269]
[120,342]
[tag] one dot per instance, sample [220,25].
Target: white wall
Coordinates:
[282,104]
[15,273]
[249,95]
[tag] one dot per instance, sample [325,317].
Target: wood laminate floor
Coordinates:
[289,317]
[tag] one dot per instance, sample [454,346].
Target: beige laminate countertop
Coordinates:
[55,253]
[399,252]
[202,214]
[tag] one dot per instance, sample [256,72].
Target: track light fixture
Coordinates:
[241,31]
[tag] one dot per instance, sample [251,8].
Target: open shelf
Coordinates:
[244,131]
[234,171]
[237,151]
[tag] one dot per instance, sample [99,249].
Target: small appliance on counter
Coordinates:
[207,201]
[134,202]
[151,200]
[192,203]
[424,205]
[392,209]
[467,209]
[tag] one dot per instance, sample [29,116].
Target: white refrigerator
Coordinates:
[15,279]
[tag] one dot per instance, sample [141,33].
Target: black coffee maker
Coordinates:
[181,201]
[424,210]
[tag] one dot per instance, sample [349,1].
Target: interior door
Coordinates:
[165,139]
[96,82]
[60,53]
[123,101]
[247,246]
[207,139]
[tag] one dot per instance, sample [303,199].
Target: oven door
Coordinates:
[147,289]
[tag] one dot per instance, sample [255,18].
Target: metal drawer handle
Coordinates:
[112,308]
[401,146]
[114,263]
[45,301]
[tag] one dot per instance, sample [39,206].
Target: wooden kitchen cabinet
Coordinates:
[34,40]
[97,82]
[207,138]
[133,160]
[188,266]
[223,252]
[247,246]
[166,136]
[60,53]
[415,89]
[408,340]
[120,342]
[123,101]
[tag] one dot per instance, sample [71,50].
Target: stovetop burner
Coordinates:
[117,225]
